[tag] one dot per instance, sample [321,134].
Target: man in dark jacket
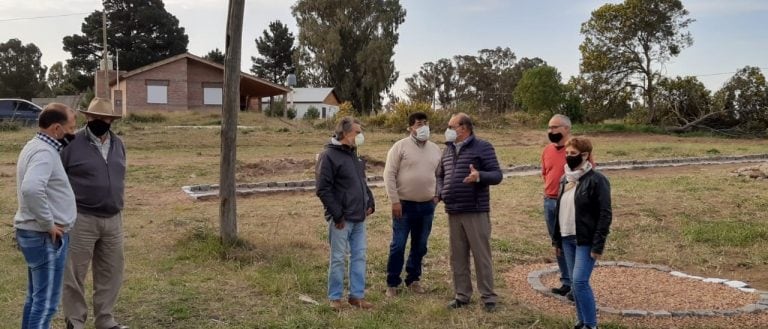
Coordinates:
[341,186]
[466,171]
[95,163]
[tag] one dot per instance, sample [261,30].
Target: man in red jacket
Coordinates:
[552,170]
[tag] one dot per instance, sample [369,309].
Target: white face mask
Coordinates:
[359,140]
[422,134]
[450,135]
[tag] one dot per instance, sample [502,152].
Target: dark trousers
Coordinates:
[416,221]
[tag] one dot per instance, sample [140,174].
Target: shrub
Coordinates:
[312,113]
[528,119]
[145,118]
[9,126]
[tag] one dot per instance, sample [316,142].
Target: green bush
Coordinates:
[528,119]
[277,111]
[9,126]
[312,113]
[145,118]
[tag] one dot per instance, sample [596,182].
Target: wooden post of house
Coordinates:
[227,187]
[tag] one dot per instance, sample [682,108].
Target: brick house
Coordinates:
[179,83]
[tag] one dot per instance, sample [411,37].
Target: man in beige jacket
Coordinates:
[409,175]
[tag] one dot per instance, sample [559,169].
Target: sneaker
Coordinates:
[489,307]
[391,292]
[336,305]
[562,290]
[360,303]
[416,287]
[454,304]
[569,295]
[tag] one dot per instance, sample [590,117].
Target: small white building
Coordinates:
[324,100]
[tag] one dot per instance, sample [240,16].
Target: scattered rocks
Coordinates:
[733,297]
[758,172]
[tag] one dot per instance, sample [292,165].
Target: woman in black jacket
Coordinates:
[583,222]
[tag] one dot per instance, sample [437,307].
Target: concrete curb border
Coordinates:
[211,191]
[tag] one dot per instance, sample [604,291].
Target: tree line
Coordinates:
[349,45]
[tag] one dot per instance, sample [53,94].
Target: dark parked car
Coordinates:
[19,110]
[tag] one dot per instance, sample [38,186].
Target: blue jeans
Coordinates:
[351,239]
[551,218]
[416,221]
[45,269]
[580,265]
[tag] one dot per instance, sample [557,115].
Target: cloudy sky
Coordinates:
[728,35]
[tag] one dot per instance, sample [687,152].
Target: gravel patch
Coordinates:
[622,288]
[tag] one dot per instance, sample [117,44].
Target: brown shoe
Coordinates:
[361,303]
[391,292]
[415,287]
[337,305]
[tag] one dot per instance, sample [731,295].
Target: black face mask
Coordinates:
[66,140]
[98,127]
[555,137]
[573,161]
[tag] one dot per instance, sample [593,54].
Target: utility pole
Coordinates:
[104,58]
[227,195]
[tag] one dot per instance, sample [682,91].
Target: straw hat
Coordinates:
[101,107]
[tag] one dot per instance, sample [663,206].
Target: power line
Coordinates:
[39,17]
[723,73]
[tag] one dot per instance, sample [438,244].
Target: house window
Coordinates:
[212,94]
[157,91]
[323,114]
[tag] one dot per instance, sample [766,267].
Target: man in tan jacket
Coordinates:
[409,175]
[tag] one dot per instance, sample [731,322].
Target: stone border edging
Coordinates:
[210,191]
[534,280]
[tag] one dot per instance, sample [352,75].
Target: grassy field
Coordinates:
[696,219]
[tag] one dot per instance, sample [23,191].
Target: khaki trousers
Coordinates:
[471,232]
[100,240]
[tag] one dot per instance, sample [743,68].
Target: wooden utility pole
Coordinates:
[227,195]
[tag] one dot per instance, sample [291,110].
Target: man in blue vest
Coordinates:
[467,170]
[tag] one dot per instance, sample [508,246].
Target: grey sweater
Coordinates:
[43,190]
[99,185]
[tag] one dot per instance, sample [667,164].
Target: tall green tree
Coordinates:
[21,74]
[141,30]
[600,101]
[276,47]
[434,78]
[488,77]
[60,80]
[685,103]
[540,90]
[626,44]
[215,56]
[743,100]
[349,45]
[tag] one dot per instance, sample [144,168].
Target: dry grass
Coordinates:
[179,276]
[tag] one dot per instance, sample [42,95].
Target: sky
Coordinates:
[727,35]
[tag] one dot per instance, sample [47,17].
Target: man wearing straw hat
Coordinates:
[95,164]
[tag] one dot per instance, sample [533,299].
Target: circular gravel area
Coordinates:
[625,288]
